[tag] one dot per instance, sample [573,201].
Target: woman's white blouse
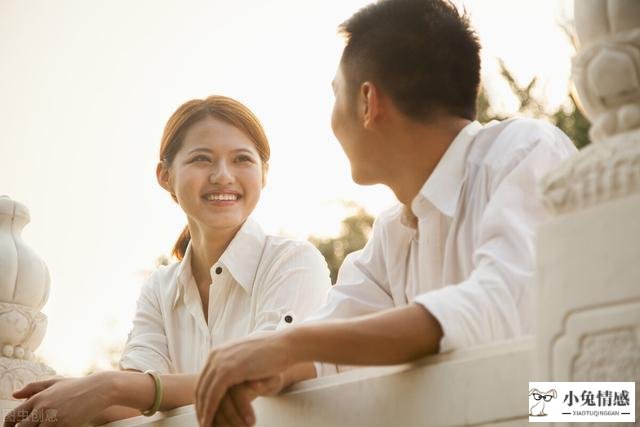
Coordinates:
[260,283]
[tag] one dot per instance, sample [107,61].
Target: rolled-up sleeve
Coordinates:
[146,347]
[362,288]
[496,301]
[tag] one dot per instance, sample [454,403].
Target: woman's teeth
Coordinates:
[222,197]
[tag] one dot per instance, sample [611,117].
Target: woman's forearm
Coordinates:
[137,390]
[300,372]
[114,413]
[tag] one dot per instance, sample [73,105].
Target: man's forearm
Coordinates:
[390,337]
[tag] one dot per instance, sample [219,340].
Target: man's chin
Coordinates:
[363,179]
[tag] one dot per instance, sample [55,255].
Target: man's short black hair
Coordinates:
[421,53]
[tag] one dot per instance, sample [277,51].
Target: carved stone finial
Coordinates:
[606,70]
[24,289]
[606,73]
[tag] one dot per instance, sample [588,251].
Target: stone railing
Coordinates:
[482,386]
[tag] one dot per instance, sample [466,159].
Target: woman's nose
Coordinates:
[221,174]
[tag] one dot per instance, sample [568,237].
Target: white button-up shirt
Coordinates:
[260,283]
[470,261]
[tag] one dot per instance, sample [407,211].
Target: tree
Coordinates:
[568,118]
[354,233]
[573,123]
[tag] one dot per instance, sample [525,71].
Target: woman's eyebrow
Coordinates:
[210,151]
[243,150]
[195,150]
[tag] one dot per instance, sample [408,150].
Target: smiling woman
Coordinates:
[230,280]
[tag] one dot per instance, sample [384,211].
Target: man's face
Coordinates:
[347,125]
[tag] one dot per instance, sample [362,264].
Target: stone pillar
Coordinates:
[589,254]
[24,289]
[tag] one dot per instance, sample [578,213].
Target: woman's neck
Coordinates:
[207,246]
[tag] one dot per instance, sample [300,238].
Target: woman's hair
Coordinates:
[221,108]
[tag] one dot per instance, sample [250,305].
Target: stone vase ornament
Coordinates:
[24,289]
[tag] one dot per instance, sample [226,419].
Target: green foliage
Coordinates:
[355,232]
[568,118]
[573,123]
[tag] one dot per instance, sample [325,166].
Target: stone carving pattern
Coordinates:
[609,356]
[23,330]
[595,175]
[16,373]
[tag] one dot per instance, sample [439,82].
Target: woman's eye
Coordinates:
[200,159]
[243,158]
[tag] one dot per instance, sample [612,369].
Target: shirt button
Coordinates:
[218,270]
[288,318]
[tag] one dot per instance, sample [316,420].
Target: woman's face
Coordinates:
[216,175]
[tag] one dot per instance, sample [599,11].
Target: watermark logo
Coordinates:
[537,410]
[582,402]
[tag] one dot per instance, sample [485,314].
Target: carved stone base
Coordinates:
[22,329]
[589,298]
[16,373]
[599,173]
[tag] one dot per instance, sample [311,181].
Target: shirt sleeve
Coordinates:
[295,286]
[146,347]
[496,301]
[362,288]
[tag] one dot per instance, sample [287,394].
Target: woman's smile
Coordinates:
[222,199]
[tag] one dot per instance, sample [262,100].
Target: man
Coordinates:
[450,267]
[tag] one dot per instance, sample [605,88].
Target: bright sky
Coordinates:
[85,90]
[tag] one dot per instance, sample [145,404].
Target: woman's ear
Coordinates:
[164,178]
[265,169]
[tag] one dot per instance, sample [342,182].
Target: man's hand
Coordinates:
[238,372]
[393,336]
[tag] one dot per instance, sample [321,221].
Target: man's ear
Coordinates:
[164,178]
[370,96]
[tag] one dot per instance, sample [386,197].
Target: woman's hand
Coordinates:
[235,407]
[61,401]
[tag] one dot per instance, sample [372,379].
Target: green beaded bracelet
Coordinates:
[158,399]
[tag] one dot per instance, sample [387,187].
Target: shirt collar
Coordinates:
[443,186]
[241,258]
[183,275]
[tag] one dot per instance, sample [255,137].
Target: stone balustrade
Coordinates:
[481,386]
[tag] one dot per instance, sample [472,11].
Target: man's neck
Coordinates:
[417,150]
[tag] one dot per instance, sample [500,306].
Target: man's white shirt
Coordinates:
[259,284]
[470,261]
